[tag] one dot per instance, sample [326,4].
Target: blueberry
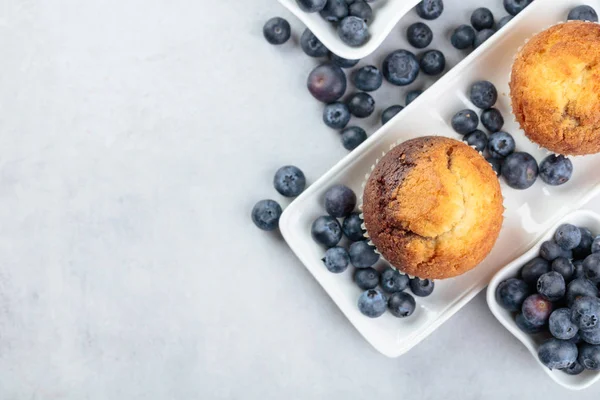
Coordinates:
[551,251]
[353,31]
[482,36]
[352,137]
[527,326]
[552,286]
[492,119]
[520,170]
[336,115]
[419,35]
[367,78]
[595,245]
[584,248]
[372,303]
[352,227]
[589,357]
[463,37]
[511,294]
[327,83]
[336,260]
[565,267]
[392,281]
[591,336]
[513,7]
[401,304]
[289,181]
[326,230]
[334,10]
[390,113]
[362,254]
[496,164]
[583,13]
[311,6]
[557,354]
[277,31]
[574,368]
[536,309]
[556,170]
[400,68]
[580,287]
[465,121]
[340,201]
[503,21]
[483,94]
[433,62]
[501,144]
[361,105]
[585,312]
[567,236]
[430,9]
[533,269]
[412,95]
[578,271]
[366,278]
[421,287]
[265,215]
[312,46]
[591,267]
[361,10]
[343,62]
[482,18]
[477,139]
[560,324]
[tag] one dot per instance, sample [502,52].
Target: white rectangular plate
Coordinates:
[528,213]
[582,218]
[386,13]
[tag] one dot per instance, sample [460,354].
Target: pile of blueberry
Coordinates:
[350,16]
[556,295]
[340,203]
[519,169]
[289,181]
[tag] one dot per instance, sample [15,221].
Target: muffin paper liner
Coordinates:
[514,118]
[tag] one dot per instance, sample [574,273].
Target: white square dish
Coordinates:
[387,14]
[528,213]
[583,218]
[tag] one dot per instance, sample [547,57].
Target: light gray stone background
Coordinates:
[135,136]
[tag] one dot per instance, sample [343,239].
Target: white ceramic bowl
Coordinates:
[581,218]
[387,13]
[528,213]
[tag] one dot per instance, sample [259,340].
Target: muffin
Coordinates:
[433,207]
[555,88]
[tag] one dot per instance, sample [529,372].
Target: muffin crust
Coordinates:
[555,88]
[433,207]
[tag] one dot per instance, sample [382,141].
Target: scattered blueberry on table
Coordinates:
[433,62]
[312,46]
[482,36]
[361,105]
[419,35]
[265,215]
[277,31]
[513,7]
[352,137]
[482,18]
[400,68]
[390,113]
[327,83]
[336,115]
[569,317]
[289,181]
[367,78]
[430,9]
[412,95]
[463,37]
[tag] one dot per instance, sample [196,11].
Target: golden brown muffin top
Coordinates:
[433,207]
[555,88]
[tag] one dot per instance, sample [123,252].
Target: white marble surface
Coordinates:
[135,136]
